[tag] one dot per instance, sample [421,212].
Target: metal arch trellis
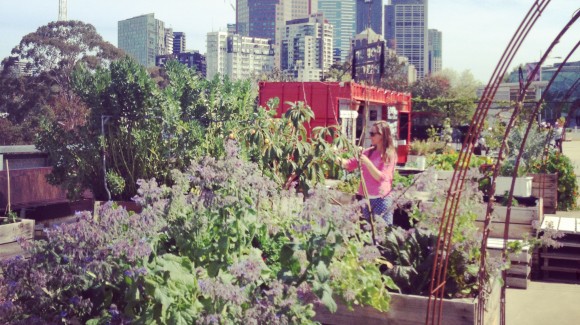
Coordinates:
[518,159]
[444,242]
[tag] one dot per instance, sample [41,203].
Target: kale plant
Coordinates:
[412,253]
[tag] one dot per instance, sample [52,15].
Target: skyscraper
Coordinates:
[341,14]
[369,13]
[435,40]
[406,31]
[179,44]
[144,37]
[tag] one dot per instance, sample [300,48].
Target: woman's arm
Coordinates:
[348,164]
[375,172]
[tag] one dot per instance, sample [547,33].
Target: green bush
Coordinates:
[447,161]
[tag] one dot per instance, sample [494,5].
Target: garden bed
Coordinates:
[522,220]
[9,247]
[409,309]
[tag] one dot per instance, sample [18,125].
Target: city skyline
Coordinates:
[474,39]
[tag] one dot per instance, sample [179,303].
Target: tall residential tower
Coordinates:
[307,48]
[179,44]
[267,18]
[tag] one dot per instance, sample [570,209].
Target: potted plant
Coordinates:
[418,152]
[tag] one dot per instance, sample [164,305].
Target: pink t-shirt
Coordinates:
[375,188]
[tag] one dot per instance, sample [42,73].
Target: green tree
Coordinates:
[462,85]
[339,72]
[431,87]
[136,130]
[447,94]
[395,77]
[48,57]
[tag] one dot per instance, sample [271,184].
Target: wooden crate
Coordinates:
[562,264]
[545,186]
[519,273]
[411,310]
[523,220]
[8,234]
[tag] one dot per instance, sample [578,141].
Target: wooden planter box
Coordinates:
[522,187]
[522,220]
[419,162]
[8,234]
[518,275]
[411,310]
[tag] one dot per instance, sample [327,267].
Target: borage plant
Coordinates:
[79,270]
[239,249]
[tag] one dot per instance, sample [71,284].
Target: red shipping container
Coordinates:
[344,104]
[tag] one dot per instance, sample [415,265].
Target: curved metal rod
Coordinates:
[440,263]
[520,153]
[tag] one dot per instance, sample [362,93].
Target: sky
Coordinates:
[475,32]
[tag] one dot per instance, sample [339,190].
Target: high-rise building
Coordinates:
[369,13]
[191,59]
[267,18]
[144,37]
[239,57]
[179,44]
[406,31]
[435,41]
[341,14]
[216,59]
[307,48]
[168,39]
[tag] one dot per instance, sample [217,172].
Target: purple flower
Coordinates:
[113,310]
[75,300]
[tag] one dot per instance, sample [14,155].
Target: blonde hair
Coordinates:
[389,154]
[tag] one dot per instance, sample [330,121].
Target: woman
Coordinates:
[378,168]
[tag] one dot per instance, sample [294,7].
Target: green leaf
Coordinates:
[328,302]
[322,272]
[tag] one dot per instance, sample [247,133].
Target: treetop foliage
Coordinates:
[36,80]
